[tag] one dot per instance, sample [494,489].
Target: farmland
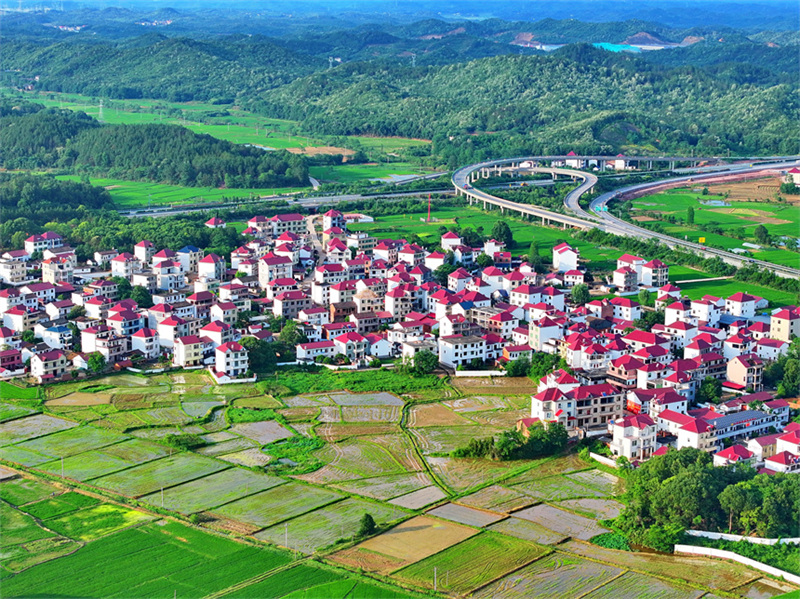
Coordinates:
[727,216]
[357,444]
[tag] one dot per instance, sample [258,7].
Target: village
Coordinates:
[362,302]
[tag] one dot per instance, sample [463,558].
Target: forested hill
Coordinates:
[161,153]
[153,66]
[579,98]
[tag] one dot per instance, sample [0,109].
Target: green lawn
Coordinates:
[350,173]
[138,194]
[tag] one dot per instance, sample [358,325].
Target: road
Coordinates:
[598,217]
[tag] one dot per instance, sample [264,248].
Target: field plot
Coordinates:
[38,425]
[556,487]
[596,479]
[477,404]
[277,504]
[438,439]
[78,399]
[154,560]
[632,584]
[230,446]
[322,527]
[434,414]
[505,419]
[247,458]
[692,570]
[527,530]
[58,506]
[20,491]
[213,490]
[136,451]
[404,544]
[20,557]
[198,409]
[386,487]
[498,499]
[329,414]
[462,474]
[465,515]
[95,522]
[11,391]
[560,521]
[162,473]
[420,499]
[764,588]
[371,413]
[365,399]
[545,467]
[460,572]
[555,575]
[18,455]
[264,432]
[19,528]
[259,402]
[354,458]
[73,441]
[336,431]
[308,401]
[599,509]
[10,411]
[298,414]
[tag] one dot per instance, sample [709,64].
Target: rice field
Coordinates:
[528,531]
[557,487]
[554,575]
[11,411]
[386,487]
[420,498]
[162,473]
[59,505]
[463,474]
[465,515]
[276,505]
[633,584]
[561,522]
[20,491]
[498,499]
[30,427]
[472,563]
[264,432]
[322,527]
[212,491]
[72,441]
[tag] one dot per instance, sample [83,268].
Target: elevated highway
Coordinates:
[597,215]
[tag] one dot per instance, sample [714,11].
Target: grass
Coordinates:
[19,528]
[278,504]
[95,522]
[162,473]
[59,506]
[458,570]
[129,195]
[288,383]
[11,391]
[154,560]
[351,173]
[20,491]
[728,287]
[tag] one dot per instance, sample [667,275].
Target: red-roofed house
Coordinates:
[735,454]
[634,437]
[49,366]
[230,360]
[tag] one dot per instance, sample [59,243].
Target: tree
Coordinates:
[124,287]
[291,334]
[76,312]
[96,362]
[28,336]
[260,353]
[518,367]
[502,232]
[710,391]
[761,234]
[484,261]
[366,526]
[142,297]
[580,294]
[425,362]
[645,297]
[690,215]
[440,274]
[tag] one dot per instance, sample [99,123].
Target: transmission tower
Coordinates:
[330,62]
[413,60]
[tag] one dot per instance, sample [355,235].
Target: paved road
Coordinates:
[598,217]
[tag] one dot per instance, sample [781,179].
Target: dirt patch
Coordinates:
[434,415]
[756,189]
[81,399]
[644,219]
[498,385]
[336,431]
[756,216]
[404,544]
[110,187]
[319,150]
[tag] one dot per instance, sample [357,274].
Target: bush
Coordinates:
[240,415]
[367,526]
[611,540]
[185,442]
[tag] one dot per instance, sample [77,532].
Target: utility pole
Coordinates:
[435,581]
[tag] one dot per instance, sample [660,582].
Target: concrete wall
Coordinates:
[710,552]
[603,459]
[480,373]
[726,537]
